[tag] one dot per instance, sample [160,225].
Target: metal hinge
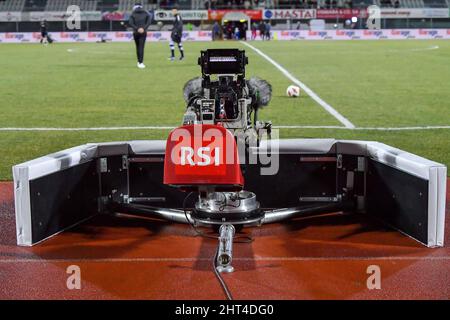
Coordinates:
[103,165]
[320,199]
[124,162]
[361,164]
[339,161]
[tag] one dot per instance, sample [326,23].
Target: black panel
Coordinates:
[398,198]
[294,179]
[146,180]
[62,199]
[115,180]
[349,165]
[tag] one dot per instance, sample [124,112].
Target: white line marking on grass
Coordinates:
[275,127]
[310,127]
[97,52]
[366,128]
[305,88]
[415,49]
[90,128]
[404,128]
[425,49]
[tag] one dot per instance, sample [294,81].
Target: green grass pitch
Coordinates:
[371,83]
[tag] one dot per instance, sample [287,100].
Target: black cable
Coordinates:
[219,277]
[216,273]
[226,204]
[246,239]
[198,232]
[192,100]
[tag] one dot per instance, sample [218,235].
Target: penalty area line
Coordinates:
[305,88]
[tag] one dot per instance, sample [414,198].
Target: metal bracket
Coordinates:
[319,199]
[143,199]
[124,162]
[103,165]
[361,164]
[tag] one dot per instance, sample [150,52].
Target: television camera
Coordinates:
[223,96]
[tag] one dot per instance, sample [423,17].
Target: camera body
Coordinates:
[222,95]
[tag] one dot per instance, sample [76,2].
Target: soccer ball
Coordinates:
[293,91]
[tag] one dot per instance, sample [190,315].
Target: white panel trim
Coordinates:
[22,206]
[432,206]
[297,146]
[402,160]
[57,161]
[441,201]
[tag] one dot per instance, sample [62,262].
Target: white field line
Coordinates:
[194,259]
[97,52]
[89,128]
[275,127]
[415,49]
[425,49]
[305,88]
[366,128]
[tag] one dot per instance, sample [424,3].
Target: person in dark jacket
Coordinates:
[45,38]
[140,21]
[216,31]
[254,28]
[267,30]
[262,30]
[176,36]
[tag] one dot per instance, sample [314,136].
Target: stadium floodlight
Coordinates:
[354,19]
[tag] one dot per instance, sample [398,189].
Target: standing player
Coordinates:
[176,36]
[262,30]
[44,33]
[139,20]
[254,28]
[267,30]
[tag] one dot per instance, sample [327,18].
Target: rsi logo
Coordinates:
[203,157]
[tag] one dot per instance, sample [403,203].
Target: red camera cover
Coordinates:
[202,155]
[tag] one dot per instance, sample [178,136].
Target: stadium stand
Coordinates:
[35,5]
[127,5]
[435,3]
[401,4]
[12,5]
[61,5]
[108,5]
[336,4]
[411,3]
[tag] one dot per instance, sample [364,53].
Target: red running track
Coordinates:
[133,258]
